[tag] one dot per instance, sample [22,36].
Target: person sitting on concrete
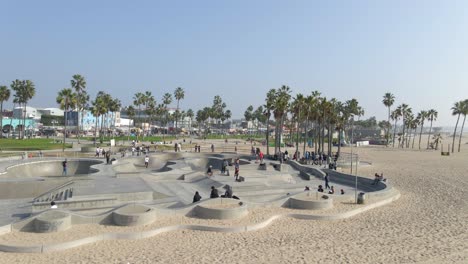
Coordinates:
[214,192]
[196,197]
[342,192]
[53,205]
[332,190]
[307,188]
[377,179]
[209,172]
[320,188]
[228,193]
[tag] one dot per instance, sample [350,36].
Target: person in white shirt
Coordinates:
[146,161]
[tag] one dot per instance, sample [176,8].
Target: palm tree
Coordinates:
[395,116]
[190,115]
[269,107]
[167,100]
[437,140]
[248,114]
[422,115]
[179,94]
[457,109]
[297,108]
[388,100]
[4,96]
[114,106]
[404,109]
[464,112]
[138,101]
[131,114]
[431,116]
[283,95]
[78,83]
[66,99]
[24,91]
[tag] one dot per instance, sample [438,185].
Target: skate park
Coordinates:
[126,193]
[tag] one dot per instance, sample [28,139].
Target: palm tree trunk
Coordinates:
[297,140]
[429,136]
[454,134]
[394,133]
[414,137]
[339,141]
[388,126]
[305,135]
[95,129]
[420,134]
[65,128]
[24,121]
[268,136]
[461,133]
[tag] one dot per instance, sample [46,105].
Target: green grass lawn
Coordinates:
[7,144]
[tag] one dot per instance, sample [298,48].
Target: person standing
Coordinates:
[236,169]
[108,156]
[212,147]
[327,180]
[64,167]
[146,161]
[260,155]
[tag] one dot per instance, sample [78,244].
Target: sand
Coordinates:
[428,224]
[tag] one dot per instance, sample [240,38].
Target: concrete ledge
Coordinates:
[310,201]
[208,210]
[132,215]
[52,221]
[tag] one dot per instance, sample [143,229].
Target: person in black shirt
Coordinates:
[214,192]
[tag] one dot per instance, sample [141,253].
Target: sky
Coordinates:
[416,50]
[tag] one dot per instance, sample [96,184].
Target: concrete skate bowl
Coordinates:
[198,163]
[220,208]
[51,168]
[136,165]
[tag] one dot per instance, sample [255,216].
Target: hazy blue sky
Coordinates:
[417,50]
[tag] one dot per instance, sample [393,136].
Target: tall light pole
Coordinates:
[352,143]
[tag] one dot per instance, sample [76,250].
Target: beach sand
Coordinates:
[428,224]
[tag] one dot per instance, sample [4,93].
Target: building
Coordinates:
[51,111]
[30,112]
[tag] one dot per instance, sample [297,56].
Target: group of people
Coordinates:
[331,191]
[197,148]
[257,154]
[214,194]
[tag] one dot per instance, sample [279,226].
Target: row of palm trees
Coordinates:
[410,122]
[311,115]
[458,109]
[146,102]
[24,91]
[214,115]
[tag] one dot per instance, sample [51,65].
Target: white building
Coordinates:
[29,113]
[51,111]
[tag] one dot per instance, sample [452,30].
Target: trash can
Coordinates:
[361,199]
